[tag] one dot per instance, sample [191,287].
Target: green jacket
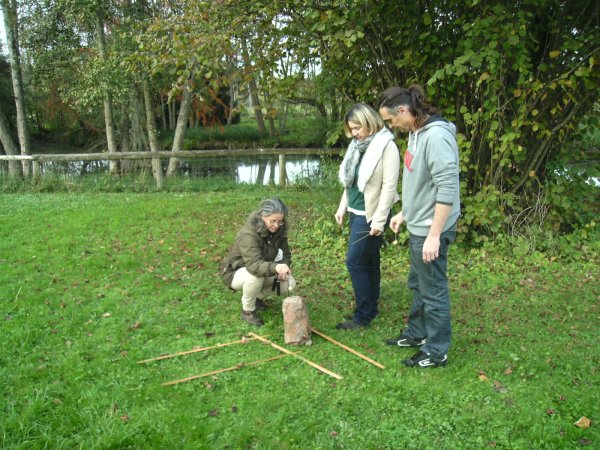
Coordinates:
[255,248]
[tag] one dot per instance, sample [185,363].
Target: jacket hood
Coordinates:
[438,121]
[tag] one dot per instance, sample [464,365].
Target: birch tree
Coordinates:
[11,25]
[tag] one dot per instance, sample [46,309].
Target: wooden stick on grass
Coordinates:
[236,367]
[196,350]
[285,350]
[345,347]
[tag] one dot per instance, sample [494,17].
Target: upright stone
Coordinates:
[295,320]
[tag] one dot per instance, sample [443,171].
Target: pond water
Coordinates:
[260,169]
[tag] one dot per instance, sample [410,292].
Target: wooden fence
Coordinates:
[37,160]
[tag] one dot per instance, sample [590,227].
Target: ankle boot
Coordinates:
[252,318]
[260,305]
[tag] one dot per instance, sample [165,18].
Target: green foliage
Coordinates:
[301,133]
[93,283]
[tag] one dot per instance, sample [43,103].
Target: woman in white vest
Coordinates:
[369,174]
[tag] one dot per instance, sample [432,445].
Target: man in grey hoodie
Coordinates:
[430,208]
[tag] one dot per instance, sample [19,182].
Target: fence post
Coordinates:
[282,174]
[37,169]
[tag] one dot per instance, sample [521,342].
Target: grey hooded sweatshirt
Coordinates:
[430,175]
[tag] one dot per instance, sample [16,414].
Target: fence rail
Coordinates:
[168,154]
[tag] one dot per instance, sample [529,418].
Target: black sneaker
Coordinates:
[260,305]
[404,341]
[349,325]
[424,360]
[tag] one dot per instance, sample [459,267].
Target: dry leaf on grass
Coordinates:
[583,422]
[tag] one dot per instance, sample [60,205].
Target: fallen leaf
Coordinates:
[213,413]
[550,411]
[508,371]
[499,387]
[124,417]
[583,422]
[106,314]
[136,325]
[483,376]
[334,434]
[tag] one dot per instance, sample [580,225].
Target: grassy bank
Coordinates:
[93,283]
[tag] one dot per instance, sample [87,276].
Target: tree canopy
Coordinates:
[517,77]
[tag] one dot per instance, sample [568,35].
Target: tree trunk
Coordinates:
[15,169]
[163,116]
[111,139]
[232,106]
[140,139]
[151,127]
[11,25]
[172,112]
[184,112]
[254,101]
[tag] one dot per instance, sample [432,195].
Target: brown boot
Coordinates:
[252,318]
[260,305]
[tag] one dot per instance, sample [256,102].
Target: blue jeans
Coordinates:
[429,315]
[363,263]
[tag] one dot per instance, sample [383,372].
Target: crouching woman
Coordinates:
[259,261]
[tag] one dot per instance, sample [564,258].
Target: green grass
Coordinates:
[93,283]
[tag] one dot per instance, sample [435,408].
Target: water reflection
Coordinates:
[260,169]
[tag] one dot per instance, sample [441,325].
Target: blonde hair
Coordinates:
[365,116]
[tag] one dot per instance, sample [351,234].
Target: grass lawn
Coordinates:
[92,283]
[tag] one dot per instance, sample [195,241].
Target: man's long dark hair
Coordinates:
[413,98]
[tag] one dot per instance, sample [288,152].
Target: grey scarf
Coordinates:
[348,166]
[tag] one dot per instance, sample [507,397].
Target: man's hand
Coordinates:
[396,222]
[431,248]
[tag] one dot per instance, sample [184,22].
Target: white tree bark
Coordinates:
[9,8]
[15,169]
[111,138]
[182,118]
[151,127]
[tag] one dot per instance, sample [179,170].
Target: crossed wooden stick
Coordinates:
[263,339]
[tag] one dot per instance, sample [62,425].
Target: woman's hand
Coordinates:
[283,271]
[339,217]
[375,232]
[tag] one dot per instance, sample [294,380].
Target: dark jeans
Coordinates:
[363,263]
[429,315]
